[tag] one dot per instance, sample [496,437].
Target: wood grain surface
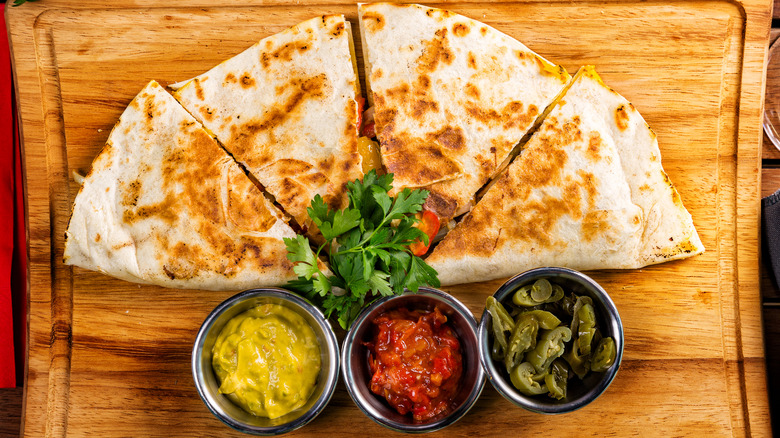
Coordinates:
[109,357]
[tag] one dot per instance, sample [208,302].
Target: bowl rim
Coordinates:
[506,389]
[331,343]
[349,378]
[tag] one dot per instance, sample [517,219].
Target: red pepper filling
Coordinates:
[416,362]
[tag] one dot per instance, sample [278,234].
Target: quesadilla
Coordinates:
[451,97]
[164,204]
[587,192]
[287,110]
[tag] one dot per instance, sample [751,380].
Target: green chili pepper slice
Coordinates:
[604,356]
[577,305]
[541,292]
[550,346]
[586,328]
[525,379]
[501,321]
[546,319]
[579,364]
[523,339]
[556,379]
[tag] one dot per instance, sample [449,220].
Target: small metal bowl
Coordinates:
[354,357]
[208,386]
[579,393]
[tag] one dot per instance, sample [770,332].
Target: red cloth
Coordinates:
[7,359]
[13,255]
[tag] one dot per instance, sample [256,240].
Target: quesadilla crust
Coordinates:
[668,230]
[286,109]
[587,192]
[449,99]
[164,204]
[563,202]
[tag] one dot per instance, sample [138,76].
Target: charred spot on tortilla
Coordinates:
[594,146]
[461,29]
[247,81]
[422,106]
[621,117]
[450,137]
[206,112]
[198,89]
[472,62]
[337,30]
[435,166]
[230,78]
[374,22]
[435,51]
[472,90]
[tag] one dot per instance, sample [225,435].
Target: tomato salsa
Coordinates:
[415,361]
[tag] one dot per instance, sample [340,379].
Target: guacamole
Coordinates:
[267,360]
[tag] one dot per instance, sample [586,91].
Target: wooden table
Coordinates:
[694,69]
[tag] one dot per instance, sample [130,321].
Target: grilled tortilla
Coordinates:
[587,192]
[164,204]
[286,109]
[452,98]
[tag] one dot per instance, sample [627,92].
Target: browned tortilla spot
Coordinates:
[460,29]
[472,60]
[422,106]
[421,161]
[373,22]
[621,117]
[198,89]
[207,113]
[435,51]
[512,115]
[472,90]
[230,78]
[423,83]
[130,192]
[265,59]
[297,91]
[337,31]
[588,183]
[450,137]
[247,81]
[594,146]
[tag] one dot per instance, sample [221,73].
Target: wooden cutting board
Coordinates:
[109,357]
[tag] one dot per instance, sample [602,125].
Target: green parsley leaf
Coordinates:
[298,250]
[367,246]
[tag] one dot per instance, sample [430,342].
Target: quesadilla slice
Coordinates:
[451,98]
[287,110]
[587,192]
[164,204]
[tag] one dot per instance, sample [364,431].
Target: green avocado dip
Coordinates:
[267,360]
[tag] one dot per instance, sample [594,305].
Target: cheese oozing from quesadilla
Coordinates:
[587,192]
[164,204]
[452,98]
[286,109]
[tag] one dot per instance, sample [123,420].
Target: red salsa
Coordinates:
[415,361]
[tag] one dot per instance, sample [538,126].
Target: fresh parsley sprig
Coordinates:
[367,245]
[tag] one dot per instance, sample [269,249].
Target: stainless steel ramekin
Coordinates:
[354,357]
[580,393]
[208,386]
